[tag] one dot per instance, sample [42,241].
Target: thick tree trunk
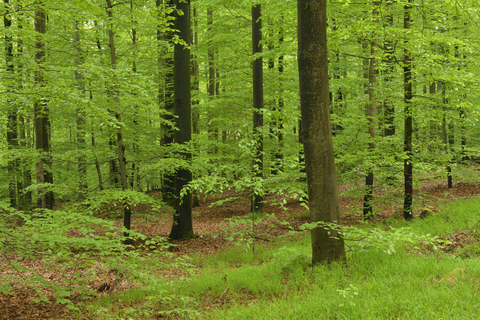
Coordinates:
[408,118]
[257,197]
[327,244]
[182,217]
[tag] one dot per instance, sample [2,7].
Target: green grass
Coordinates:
[279,283]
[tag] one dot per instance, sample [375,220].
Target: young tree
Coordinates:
[117,114]
[327,244]
[371,113]
[12,132]
[408,117]
[81,159]
[257,198]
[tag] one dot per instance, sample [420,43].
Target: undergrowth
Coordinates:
[400,269]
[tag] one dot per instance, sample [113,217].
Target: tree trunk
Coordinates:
[81,144]
[120,144]
[12,124]
[97,164]
[408,118]
[212,128]
[371,113]
[280,110]
[182,217]
[257,197]
[134,180]
[168,186]
[388,106]
[41,115]
[195,88]
[327,244]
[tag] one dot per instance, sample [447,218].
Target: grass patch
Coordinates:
[278,282]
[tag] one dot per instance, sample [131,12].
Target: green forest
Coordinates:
[265,159]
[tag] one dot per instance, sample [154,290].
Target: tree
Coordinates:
[12,132]
[168,185]
[117,114]
[42,114]
[327,243]
[408,117]
[257,197]
[81,159]
[371,113]
[182,217]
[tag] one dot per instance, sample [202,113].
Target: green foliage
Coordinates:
[80,247]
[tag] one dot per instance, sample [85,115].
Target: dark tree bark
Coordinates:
[182,217]
[41,115]
[257,198]
[327,244]
[371,114]
[12,124]
[408,118]
[168,186]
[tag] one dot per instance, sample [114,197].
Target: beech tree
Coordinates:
[257,197]
[182,216]
[42,114]
[327,243]
[408,117]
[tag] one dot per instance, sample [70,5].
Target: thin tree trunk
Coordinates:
[134,181]
[195,88]
[408,118]
[182,218]
[12,125]
[168,186]
[371,113]
[388,106]
[212,128]
[81,159]
[97,164]
[280,110]
[257,197]
[327,243]
[41,112]
[120,144]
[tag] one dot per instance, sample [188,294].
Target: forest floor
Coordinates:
[209,223]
